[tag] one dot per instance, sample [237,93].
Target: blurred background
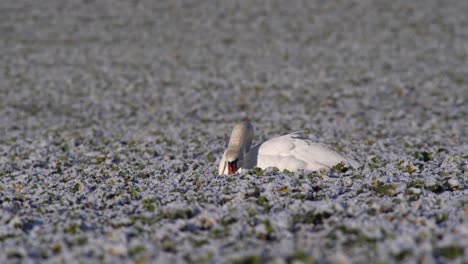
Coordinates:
[335,67]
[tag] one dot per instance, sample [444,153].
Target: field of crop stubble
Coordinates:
[114,114]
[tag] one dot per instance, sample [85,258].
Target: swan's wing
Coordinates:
[277,152]
[294,151]
[301,134]
[316,154]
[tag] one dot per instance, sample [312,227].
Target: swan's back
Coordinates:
[294,152]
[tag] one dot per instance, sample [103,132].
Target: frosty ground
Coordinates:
[114,114]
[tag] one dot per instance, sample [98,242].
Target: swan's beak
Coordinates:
[232,167]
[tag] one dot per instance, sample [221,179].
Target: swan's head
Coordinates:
[239,144]
[233,160]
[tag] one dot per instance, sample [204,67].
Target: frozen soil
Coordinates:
[114,114]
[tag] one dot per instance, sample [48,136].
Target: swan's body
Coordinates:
[292,152]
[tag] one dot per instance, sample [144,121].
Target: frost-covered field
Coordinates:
[114,114]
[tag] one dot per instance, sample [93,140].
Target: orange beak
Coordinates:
[232,167]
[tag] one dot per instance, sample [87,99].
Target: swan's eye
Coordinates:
[232,167]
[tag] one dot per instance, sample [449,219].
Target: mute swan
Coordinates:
[292,152]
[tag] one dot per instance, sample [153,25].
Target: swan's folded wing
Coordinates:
[278,152]
[294,151]
[278,146]
[316,155]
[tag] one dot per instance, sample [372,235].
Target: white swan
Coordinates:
[292,152]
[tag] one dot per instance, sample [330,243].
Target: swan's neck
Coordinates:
[239,143]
